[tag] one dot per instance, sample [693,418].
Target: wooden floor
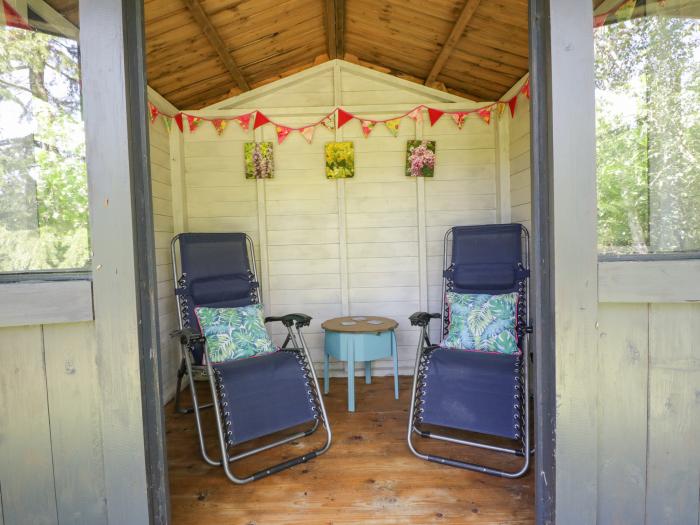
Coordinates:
[368,476]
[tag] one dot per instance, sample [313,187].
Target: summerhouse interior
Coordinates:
[369,245]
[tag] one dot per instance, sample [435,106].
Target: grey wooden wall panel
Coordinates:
[623,356]
[673,465]
[76,438]
[26,470]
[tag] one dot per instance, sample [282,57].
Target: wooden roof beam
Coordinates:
[335,27]
[455,34]
[197,12]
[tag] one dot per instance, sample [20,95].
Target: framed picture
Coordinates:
[340,160]
[258,160]
[420,158]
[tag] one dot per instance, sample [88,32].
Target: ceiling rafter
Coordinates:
[456,33]
[217,43]
[335,27]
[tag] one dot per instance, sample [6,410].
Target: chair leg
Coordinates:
[326,372]
[351,378]
[181,372]
[395,356]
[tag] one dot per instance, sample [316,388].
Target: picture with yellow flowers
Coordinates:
[340,160]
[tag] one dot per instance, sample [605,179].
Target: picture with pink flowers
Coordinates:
[420,158]
[258,160]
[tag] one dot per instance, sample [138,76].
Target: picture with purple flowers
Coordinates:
[420,158]
[258,160]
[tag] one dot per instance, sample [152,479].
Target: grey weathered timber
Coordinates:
[623,358]
[114,215]
[673,456]
[76,438]
[145,262]
[574,260]
[35,303]
[542,287]
[26,467]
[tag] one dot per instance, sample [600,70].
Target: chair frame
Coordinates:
[422,319]
[189,336]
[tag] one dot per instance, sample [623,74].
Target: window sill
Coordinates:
[45,302]
[649,281]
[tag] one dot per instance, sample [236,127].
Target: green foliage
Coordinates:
[43,179]
[648,135]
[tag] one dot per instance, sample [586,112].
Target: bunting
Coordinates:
[243,121]
[153,112]
[219,125]
[282,133]
[458,117]
[308,133]
[367,127]
[260,120]
[343,118]
[393,126]
[434,115]
[9,16]
[338,117]
[485,114]
[193,122]
[511,104]
[168,123]
[178,121]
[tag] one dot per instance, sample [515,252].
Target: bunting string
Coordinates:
[337,118]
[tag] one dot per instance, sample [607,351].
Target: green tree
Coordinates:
[43,181]
[648,129]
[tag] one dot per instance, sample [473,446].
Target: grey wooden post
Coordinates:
[112,58]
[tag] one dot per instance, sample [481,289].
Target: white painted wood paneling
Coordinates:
[519,162]
[166,199]
[351,246]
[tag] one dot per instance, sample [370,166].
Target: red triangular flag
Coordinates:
[219,125]
[243,121]
[343,118]
[153,110]
[485,114]
[434,115]
[599,20]
[282,133]
[367,127]
[511,104]
[458,117]
[13,18]
[193,122]
[526,88]
[260,120]
[178,121]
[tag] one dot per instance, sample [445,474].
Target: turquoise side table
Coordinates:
[359,338]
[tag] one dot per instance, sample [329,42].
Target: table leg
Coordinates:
[326,373]
[351,377]
[368,372]
[395,355]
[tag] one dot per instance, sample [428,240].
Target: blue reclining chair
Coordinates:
[254,396]
[480,392]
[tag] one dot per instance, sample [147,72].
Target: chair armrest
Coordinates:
[188,336]
[422,318]
[290,319]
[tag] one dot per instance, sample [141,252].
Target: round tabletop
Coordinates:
[359,324]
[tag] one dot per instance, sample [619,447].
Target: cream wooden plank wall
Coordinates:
[520,199]
[161,185]
[364,245]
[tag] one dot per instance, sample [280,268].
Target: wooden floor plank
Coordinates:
[367,476]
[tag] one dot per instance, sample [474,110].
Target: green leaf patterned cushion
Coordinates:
[234,333]
[482,322]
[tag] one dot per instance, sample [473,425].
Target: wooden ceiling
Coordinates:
[199,52]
